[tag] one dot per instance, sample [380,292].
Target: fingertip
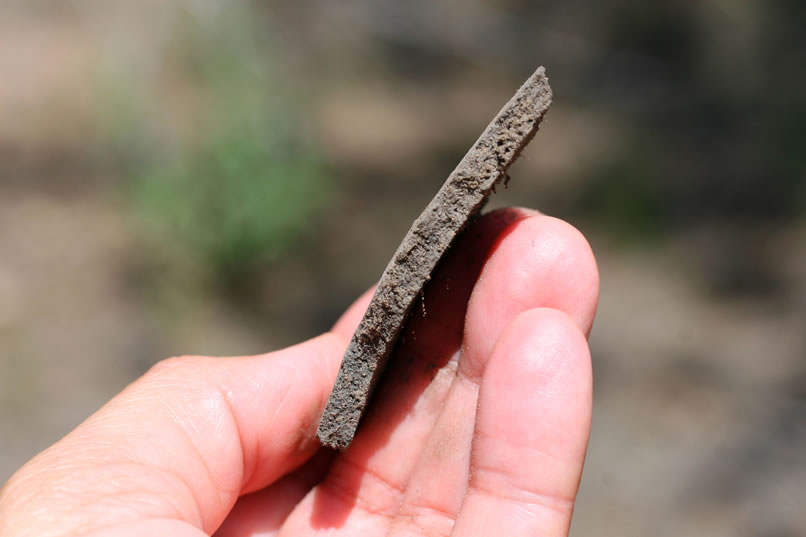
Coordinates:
[540,370]
[579,265]
[532,428]
[566,258]
[545,346]
[540,262]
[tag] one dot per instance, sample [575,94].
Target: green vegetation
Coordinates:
[241,187]
[231,202]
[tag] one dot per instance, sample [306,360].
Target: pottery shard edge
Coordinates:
[455,205]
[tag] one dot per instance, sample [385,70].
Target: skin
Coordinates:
[479,428]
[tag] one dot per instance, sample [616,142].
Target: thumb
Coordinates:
[183,442]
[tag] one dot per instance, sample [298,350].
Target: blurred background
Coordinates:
[184,176]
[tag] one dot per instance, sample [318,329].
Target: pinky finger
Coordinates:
[532,430]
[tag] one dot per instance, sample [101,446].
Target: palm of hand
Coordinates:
[481,427]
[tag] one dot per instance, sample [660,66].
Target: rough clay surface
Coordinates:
[455,205]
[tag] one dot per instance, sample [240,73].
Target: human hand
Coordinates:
[479,428]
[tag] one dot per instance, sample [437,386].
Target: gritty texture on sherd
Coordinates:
[455,205]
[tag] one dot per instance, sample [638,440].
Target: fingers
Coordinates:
[530,267]
[531,430]
[365,484]
[436,488]
[186,440]
[408,467]
[544,262]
